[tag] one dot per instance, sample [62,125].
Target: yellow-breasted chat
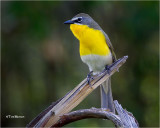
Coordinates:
[95,50]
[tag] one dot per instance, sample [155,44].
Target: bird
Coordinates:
[96,51]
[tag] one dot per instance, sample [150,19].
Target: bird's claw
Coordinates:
[89,77]
[107,67]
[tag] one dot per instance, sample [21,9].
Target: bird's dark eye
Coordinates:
[79,20]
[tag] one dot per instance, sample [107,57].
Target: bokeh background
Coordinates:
[40,58]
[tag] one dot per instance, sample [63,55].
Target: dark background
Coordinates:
[41,63]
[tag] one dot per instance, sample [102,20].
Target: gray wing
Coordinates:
[110,46]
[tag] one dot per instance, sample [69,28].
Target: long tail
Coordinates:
[106,95]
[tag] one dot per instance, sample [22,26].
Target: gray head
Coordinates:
[83,19]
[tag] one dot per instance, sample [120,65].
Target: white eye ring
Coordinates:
[79,19]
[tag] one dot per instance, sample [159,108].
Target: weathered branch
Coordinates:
[40,116]
[127,118]
[74,97]
[123,119]
[88,113]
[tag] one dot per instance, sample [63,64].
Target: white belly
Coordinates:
[97,63]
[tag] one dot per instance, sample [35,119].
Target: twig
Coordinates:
[74,97]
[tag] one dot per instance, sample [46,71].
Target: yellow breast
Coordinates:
[91,41]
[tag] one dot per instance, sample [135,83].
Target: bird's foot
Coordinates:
[107,67]
[90,77]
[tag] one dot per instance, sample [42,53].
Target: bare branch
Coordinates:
[77,95]
[36,119]
[123,119]
[88,113]
[40,116]
[127,118]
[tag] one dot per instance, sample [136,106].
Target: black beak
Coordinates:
[69,22]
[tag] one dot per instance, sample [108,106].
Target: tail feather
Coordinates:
[106,95]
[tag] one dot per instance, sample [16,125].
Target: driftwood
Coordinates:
[123,119]
[52,114]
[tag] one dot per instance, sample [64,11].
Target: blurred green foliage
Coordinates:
[41,63]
